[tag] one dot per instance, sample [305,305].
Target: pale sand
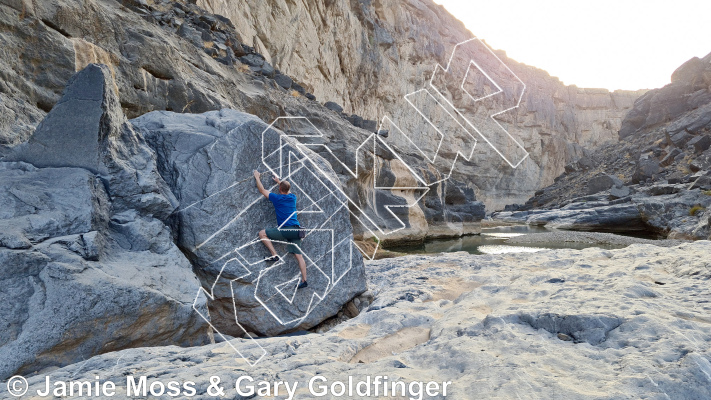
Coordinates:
[402,340]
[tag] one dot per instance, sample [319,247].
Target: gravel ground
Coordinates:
[588,237]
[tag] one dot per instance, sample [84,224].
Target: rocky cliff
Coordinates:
[175,56]
[657,178]
[367,55]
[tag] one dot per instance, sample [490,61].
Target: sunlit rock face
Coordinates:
[367,55]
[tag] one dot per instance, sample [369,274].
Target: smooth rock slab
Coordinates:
[37,204]
[653,347]
[613,218]
[619,192]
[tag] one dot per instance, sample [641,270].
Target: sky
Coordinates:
[612,44]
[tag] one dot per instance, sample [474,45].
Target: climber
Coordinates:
[288,227]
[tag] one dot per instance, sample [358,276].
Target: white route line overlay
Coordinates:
[300,147]
[376,140]
[518,103]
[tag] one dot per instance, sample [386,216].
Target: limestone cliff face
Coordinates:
[366,55]
[658,174]
[175,56]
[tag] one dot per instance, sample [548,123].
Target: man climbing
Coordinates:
[288,227]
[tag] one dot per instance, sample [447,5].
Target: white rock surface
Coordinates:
[561,324]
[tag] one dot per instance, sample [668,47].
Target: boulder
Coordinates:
[370,125]
[267,70]
[679,157]
[645,168]
[661,189]
[87,264]
[333,106]
[602,183]
[226,60]
[70,289]
[692,122]
[355,120]
[87,129]
[191,34]
[618,192]
[702,182]
[208,159]
[586,163]
[661,208]
[72,133]
[702,161]
[623,217]
[300,89]
[680,139]
[669,158]
[700,143]
[283,80]
[670,214]
[688,71]
[39,204]
[253,60]
[512,207]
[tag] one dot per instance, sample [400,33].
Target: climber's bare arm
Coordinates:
[260,187]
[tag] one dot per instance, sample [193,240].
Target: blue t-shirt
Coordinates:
[285,208]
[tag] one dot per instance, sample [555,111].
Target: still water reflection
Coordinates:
[493,241]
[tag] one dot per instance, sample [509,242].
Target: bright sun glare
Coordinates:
[613,44]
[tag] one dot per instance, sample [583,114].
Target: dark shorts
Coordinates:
[286,234]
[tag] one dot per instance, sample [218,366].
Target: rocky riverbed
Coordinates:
[556,237]
[590,324]
[656,178]
[675,210]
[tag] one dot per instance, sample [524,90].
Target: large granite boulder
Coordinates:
[207,160]
[87,264]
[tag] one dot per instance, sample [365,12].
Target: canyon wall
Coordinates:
[178,57]
[656,178]
[366,55]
